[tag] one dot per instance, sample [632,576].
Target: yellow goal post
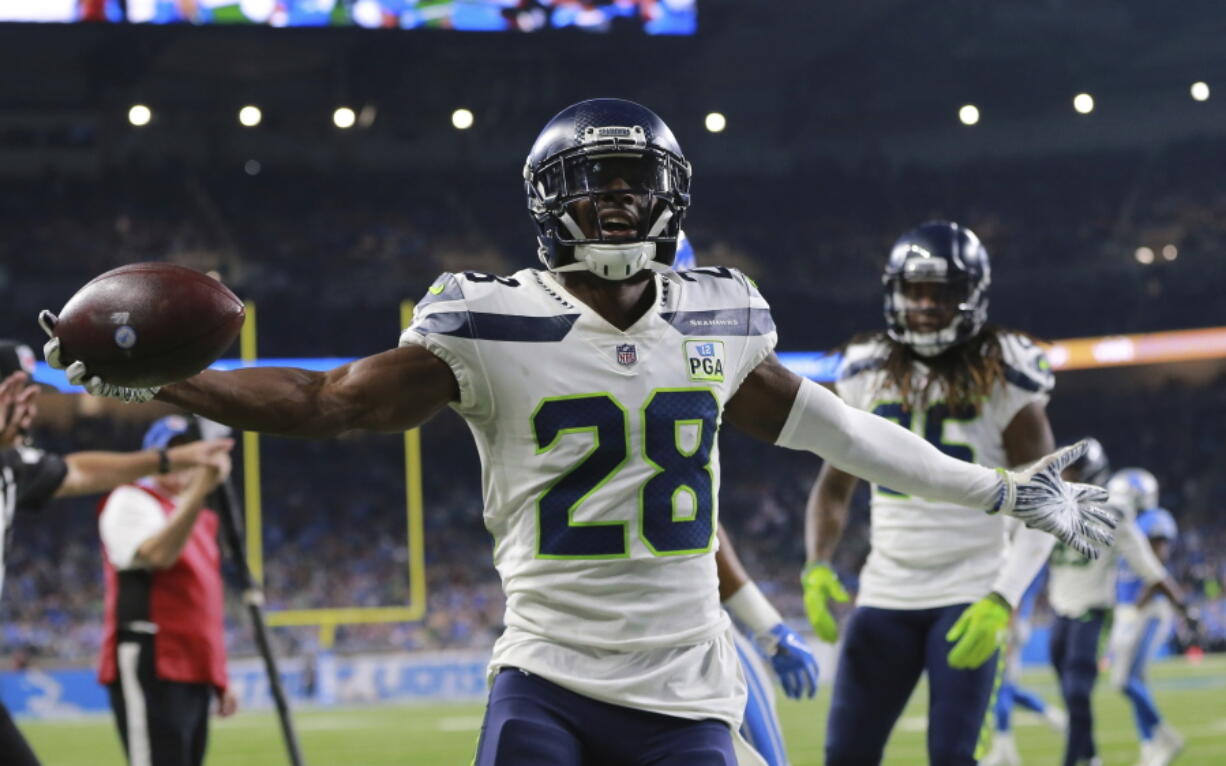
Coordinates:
[328,618]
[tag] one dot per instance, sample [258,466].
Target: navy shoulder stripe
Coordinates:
[1022,380]
[864,365]
[746,321]
[478,325]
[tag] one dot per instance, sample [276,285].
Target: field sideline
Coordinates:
[1193,697]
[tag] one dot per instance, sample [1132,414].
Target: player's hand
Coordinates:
[979,632]
[822,585]
[793,661]
[213,453]
[227,703]
[1039,498]
[79,376]
[17,408]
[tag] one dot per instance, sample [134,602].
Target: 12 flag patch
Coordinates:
[704,360]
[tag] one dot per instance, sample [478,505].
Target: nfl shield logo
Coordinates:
[627,355]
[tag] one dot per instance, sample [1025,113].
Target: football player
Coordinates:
[1082,592]
[930,601]
[1143,611]
[594,388]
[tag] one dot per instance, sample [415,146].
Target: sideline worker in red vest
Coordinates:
[30,477]
[163,648]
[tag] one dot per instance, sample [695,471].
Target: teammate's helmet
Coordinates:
[579,153]
[951,258]
[1092,467]
[1134,488]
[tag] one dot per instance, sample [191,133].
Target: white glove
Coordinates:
[1039,498]
[79,376]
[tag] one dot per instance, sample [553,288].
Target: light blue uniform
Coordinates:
[1140,631]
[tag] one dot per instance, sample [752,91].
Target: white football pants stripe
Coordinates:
[140,750]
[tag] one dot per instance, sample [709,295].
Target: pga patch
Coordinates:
[704,360]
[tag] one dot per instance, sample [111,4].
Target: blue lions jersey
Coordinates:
[1155,524]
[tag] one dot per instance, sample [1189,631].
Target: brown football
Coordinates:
[148,324]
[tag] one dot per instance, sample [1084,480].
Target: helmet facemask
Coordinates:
[614,204]
[924,291]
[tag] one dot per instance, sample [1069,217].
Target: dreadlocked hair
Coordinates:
[967,372]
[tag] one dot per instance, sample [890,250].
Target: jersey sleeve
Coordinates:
[854,384]
[762,336]
[1028,379]
[38,476]
[129,518]
[1132,544]
[442,324]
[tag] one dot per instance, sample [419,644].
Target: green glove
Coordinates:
[821,584]
[979,632]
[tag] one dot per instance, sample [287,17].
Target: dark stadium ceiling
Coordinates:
[796,78]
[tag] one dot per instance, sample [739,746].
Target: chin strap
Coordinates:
[612,262]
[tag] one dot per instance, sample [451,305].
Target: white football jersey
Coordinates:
[928,554]
[600,470]
[1077,584]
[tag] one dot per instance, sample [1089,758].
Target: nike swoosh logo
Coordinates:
[436,289]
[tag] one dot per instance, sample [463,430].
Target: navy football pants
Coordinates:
[1074,653]
[14,750]
[884,652]
[532,722]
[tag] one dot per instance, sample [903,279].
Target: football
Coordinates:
[148,324]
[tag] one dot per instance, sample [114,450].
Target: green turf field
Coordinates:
[1193,697]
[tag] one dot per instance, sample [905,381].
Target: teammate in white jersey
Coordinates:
[594,389]
[1082,592]
[931,599]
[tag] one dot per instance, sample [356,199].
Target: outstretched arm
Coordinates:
[392,391]
[776,405]
[92,473]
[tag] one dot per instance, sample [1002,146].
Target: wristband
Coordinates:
[163,461]
[750,607]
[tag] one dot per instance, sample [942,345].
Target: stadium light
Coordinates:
[462,119]
[1145,255]
[716,122]
[140,115]
[1083,103]
[1200,91]
[1170,253]
[250,116]
[969,114]
[252,167]
[344,117]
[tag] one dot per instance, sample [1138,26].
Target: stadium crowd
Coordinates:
[336,537]
[328,270]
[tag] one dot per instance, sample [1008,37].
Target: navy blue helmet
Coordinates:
[952,264]
[1092,467]
[592,147]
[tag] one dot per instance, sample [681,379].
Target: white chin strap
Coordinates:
[613,262]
